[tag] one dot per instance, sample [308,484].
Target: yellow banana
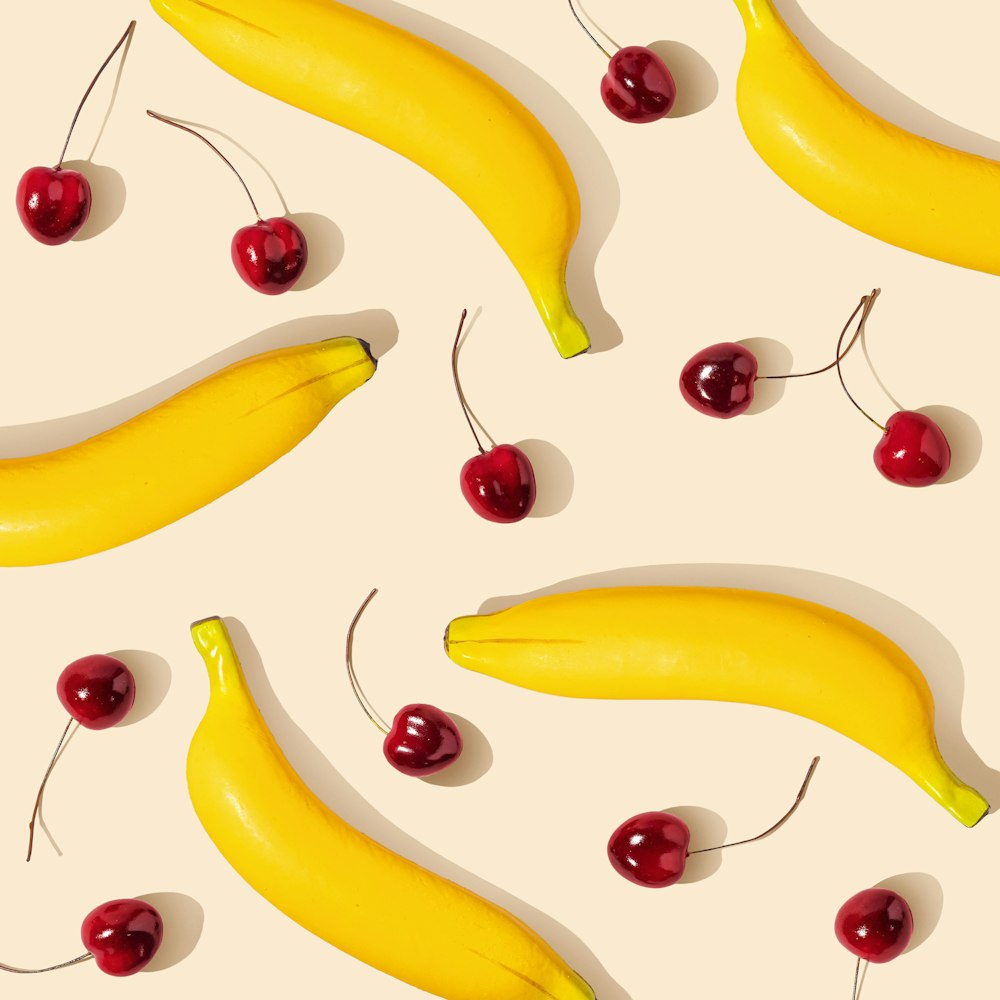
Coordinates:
[333,880]
[175,457]
[421,101]
[722,644]
[899,187]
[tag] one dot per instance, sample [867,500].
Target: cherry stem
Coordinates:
[83,100]
[858,979]
[868,301]
[51,968]
[586,29]
[213,147]
[840,357]
[781,822]
[41,790]
[363,701]
[466,409]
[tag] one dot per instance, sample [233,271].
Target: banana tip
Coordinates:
[367,348]
[202,621]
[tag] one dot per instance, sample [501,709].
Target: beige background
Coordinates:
[691,241]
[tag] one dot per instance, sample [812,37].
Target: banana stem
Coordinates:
[868,301]
[127,37]
[781,822]
[363,701]
[466,409]
[41,790]
[51,968]
[215,149]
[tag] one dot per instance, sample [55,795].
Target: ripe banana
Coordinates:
[424,103]
[722,644]
[175,457]
[879,178]
[335,881]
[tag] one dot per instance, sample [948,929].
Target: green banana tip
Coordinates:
[205,621]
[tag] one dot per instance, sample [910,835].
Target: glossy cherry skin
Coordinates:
[719,380]
[53,203]
[423,740]
[499,484]
[123,935]
[270,255]
[98,691]
[638,86]
[875,925]
[650,849]
[913,451]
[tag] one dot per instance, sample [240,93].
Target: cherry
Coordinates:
[270,254]
[121,935]
[638,86]
[875,925]
[422,739]
[719,380]
[53,203]
[651,848]
[498,484]
[98,691]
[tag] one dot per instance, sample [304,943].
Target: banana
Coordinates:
[424,103]
[333,880]
[909,191]
[722,644]
[175,457]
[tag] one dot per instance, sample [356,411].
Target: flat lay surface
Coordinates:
[687,240]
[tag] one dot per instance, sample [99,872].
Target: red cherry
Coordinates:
[98,691]
[650,849]
[422,740]
[123,935]
[876,925]
[270,255]
[53,203]
[719,380]
[499,484]
[913,451]
[638,86]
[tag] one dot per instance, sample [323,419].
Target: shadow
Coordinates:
[697,83]
[933,653]
[325,243]
[964,438]
[773,359]
[873,92]
[708,830]
[152,682]
[183,921]
[473,762]
[330,787]
[925,897]
[40,816]
[122,59]
[376,326]
[600,195]
[553,477]
[107,188]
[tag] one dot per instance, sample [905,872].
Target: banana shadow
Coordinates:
[326,782]
[930,650]
[376,326]
[600,194]
[872,91]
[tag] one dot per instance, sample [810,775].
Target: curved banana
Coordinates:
[421,101]
[335,881]
[175,457]
[899,187]
[721,644]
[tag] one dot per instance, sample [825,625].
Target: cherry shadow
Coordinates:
[473,762]
[553,477]
[925,897]
[708,829]
[327,783]
[595,177]
[325,242]
[773,358]
[183,922]
[930,650]
[376,326]
[964,437]
[697,83]
[107,188]
[152,682]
